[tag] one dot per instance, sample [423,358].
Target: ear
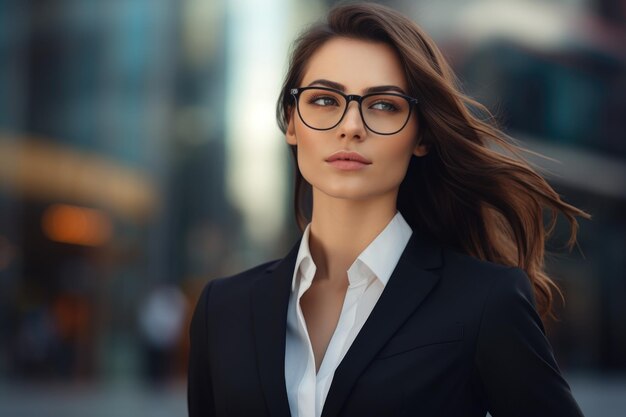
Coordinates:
[290,134]
[421,148]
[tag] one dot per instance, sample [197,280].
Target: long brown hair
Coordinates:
[473,191]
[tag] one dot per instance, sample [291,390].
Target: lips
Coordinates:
[348,161]
[348,156]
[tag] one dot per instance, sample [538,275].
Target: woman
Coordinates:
[413,288]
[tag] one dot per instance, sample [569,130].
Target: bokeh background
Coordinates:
[139,158]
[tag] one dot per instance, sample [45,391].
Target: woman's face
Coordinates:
[354,66]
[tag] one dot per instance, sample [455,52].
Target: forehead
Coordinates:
[355,63]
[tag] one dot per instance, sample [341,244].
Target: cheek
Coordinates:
[395,171]
[396,158]
[309,157]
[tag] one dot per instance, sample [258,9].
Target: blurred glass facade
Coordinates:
[139,158]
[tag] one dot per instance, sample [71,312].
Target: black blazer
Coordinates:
[450,336]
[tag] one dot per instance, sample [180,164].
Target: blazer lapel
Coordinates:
[270,299]
[408,286]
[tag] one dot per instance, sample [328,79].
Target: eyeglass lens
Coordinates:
[382,113]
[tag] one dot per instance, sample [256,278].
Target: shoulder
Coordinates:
[229,288]
[498,296]
[495,279]
[502,297]
[247,276]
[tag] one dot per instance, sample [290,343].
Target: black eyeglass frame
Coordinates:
[295,92]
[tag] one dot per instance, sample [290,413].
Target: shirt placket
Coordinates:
[306,401]
[337,344]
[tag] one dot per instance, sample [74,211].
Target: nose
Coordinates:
[352,124]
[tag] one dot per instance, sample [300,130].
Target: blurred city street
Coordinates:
[102,400]
[597,397]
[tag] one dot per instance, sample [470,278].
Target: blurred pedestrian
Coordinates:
[161,321]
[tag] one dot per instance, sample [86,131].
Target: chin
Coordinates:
[352,193]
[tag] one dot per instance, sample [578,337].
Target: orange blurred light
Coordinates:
[76,225]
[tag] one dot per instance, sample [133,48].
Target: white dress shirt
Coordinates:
[367,278]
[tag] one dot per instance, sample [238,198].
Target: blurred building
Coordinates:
[112,178]
[561,90]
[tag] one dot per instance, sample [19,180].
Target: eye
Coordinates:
[323,101]
[384,106]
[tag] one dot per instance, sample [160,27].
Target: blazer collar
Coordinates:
[270,299]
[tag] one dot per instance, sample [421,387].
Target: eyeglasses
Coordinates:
[322,108]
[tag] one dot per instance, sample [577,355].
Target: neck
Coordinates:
[342,228]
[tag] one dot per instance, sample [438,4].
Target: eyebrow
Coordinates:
[341,87]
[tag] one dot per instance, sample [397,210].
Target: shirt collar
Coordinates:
[380,257]
[304,260]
